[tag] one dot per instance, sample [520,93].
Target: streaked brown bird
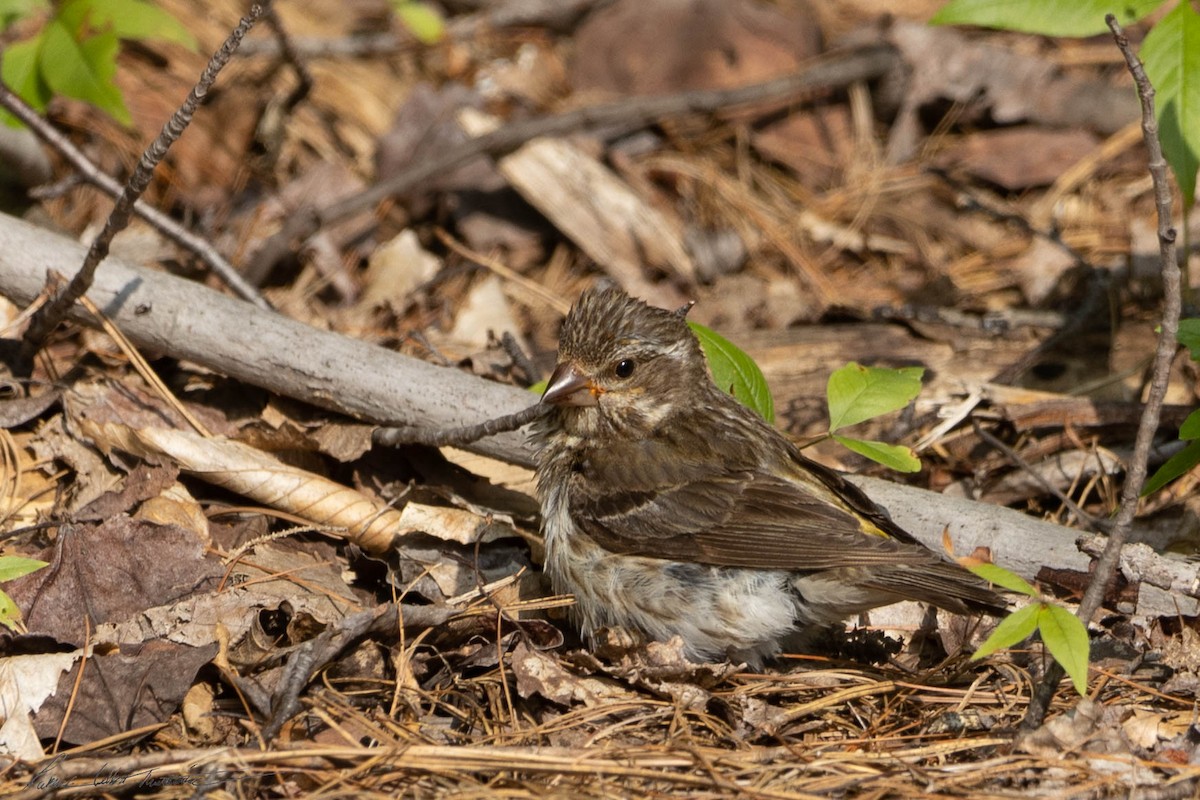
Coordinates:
[669,508]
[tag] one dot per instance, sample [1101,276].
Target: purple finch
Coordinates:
[669,508]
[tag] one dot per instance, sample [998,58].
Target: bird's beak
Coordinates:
[569,386]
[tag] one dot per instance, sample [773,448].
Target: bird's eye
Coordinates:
[624,368]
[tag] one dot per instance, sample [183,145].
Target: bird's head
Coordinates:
[624,365]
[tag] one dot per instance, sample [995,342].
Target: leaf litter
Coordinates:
[200,583]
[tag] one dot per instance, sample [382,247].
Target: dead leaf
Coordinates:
[395,269]
[540,673]
[111,572]
[137,686]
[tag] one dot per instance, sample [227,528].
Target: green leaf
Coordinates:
[1016,627]
[1067,640]
[1171,53]
[15,566]
[19,70]
[1188,335]
[898,457]
[1049,17]
[1190,429]
[995,574]
[10,615]
[83,70]
[858,393]
[1176,465]
[422,20]
[134,19]
[735,372]
[539,387]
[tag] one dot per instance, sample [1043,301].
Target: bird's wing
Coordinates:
[800,521]
[748,518]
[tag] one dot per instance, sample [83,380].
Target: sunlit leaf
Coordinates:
[1171,53]
[995,574]
[1067,640]
[129,19]
[15,566]
[857,393]
[83,70]
[422,20]
[10,614]
[735,372]
[1049,17]
[895,456]
[20,71]
[1015,628]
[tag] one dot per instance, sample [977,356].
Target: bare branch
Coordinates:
[1135,474]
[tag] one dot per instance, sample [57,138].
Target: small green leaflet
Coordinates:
[1171,53]
[1187,458]
[857,393]
[895,456]
[1013,629]
[1175,466]
[1063,634]
[1049,17]
[126,19]
[735,372]
[12,567]
[83,69]
[422,20]
[1190,429]
[10,615]
[1067,640]
[1189,336]
[1000,576]
[19,68]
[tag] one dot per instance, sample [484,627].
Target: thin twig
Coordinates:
[88,172]
[1135,474]
[50,315]
[841,69]
[441,437]
[304,78]
[1089,520]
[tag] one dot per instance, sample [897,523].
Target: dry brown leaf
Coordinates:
[176,506]
[241,469]
[543,674]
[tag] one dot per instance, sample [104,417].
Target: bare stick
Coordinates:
[839,69]
[54,312]
[1135,475]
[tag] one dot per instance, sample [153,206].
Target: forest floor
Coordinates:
[976,203]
